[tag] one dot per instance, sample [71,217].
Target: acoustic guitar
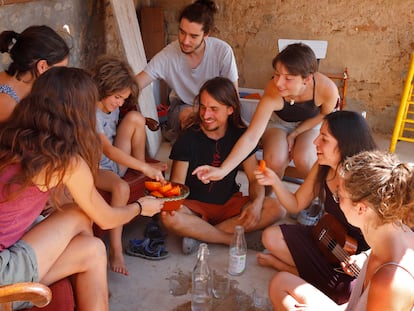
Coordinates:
[334,243]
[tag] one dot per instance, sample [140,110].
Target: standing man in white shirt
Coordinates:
[185,64]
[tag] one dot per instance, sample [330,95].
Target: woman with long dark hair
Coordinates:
[292,247]
[32,52]
[50,148]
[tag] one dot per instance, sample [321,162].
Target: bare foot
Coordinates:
[117,264]
[268,260]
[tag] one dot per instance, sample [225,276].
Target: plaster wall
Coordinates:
[374,39]
[75,14]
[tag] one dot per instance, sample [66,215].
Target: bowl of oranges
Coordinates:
[173,194]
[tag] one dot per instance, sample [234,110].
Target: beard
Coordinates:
[208,127]
[193,50]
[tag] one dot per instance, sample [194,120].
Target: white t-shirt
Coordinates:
[171,65]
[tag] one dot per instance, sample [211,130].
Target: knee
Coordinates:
[276,161]
[273,208]
[121,189]
[270,236]
[136,118]
[95,253]
[171,223]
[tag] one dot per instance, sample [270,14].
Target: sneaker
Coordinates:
[190,245]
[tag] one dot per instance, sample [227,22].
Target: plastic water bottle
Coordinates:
[237,253]
[201,294]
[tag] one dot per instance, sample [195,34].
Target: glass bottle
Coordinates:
[201,295]
[237,252]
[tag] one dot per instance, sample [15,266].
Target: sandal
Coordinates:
[153,231]
[147,248]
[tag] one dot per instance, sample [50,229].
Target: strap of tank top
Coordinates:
[394,264]
[314,88]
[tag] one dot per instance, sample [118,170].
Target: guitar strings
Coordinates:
[340,253]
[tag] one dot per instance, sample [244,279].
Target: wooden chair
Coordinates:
[38,294]
[56,297]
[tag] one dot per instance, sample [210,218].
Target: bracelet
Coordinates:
[140,207]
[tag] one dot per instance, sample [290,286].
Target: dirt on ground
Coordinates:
[237,300]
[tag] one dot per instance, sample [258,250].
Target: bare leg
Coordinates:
[130,138]
[271,212]
[185,223]
[279,256]
[275,150]
[304,152]
[119,189]
[289,292]
[130,135]
[71,249]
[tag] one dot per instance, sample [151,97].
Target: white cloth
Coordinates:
[171,65]
[359,298]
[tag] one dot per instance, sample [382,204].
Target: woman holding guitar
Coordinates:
[376,194]
[296,248]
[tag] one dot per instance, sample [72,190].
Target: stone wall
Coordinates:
[79,15]
[374,39]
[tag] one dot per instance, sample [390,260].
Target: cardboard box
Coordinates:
[248,106]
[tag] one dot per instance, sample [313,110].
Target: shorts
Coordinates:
[276,122]
[18,263]
[174,110]
[217,213]
[112,166]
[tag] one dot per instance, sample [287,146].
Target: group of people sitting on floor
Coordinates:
[63,137]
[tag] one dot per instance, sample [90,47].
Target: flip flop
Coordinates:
[147,248]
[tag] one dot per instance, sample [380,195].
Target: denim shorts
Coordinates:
[112,166]
[276,122]
[18,263]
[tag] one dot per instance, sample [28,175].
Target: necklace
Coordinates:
[292,102]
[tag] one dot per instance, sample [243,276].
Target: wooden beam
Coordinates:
[130,35]
[4,2]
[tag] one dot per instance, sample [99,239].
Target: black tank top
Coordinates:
[299,111]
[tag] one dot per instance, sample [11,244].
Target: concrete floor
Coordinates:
[147,286]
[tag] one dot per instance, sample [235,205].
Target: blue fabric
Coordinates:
[6,89]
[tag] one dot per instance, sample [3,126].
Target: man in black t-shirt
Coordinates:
[212,210]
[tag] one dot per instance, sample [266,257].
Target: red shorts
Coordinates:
[217,213]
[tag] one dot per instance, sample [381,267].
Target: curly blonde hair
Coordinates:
[384,182]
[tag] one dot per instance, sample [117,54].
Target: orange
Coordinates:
[164,188]
[262,165]
[157,194]
[152,185]
[173,192]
